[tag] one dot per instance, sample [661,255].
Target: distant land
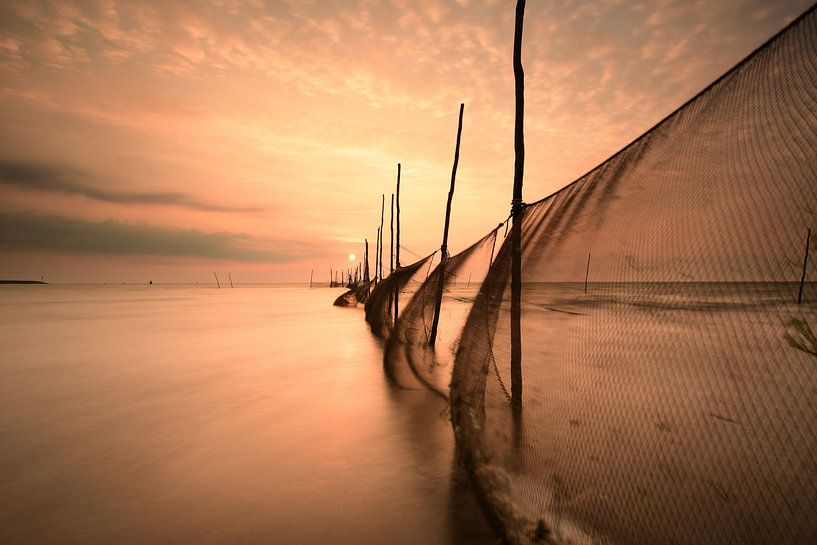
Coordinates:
[22,282]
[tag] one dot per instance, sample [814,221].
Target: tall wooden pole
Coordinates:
[366,260]
[397,239]
[377,258]
[587,273]
[311,272]
[805,263]
[397,247]
[444,248]
[230,276]
[517,213]
[380,233]
[391,233]
[217,284]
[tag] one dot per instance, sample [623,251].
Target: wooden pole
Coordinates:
[382,205]
[397,247]
[366,260]
[805,263]
[468,285]
[587,272]
[517,213]
[217,284]
[444,248]
[391,233]
[230,276]
[397,239]
[311,272]
[377,258]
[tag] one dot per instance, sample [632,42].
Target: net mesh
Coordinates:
[355,296]
[409,360]
[402,284]
[669,374]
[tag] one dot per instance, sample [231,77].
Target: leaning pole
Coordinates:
[444,248]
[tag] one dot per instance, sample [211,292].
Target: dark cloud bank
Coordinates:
[44,177]
[33,231]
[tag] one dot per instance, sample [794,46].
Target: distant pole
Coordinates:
[397,240]
[468,285]
[805,262]
[391,232]
[230,276]
[444,248]
[376,258]
[217,284]
[366,260]
[382,205]
[587,272]
[517,213]
[397,246]
[311,272]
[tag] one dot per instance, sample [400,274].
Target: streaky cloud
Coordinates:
[51,178]
[45,232]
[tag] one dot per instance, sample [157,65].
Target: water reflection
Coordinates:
[135,414]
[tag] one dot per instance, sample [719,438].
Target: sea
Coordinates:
[175,414]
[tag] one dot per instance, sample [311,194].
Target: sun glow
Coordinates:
[351,257]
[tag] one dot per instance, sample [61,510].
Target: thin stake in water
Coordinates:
[217,284]
[587,272]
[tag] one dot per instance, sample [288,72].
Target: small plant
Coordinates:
[800,336]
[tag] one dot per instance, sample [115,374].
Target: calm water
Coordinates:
[171,414]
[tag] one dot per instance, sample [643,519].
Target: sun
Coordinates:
[351,257]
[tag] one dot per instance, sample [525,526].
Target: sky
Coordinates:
[169,140]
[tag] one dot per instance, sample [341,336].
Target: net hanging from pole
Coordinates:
[380,302]
[669,375]
[355,296]
[409,361]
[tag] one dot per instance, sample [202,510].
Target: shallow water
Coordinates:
[183,414]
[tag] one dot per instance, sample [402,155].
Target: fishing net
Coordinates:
[401,284]
[669,375]
[409,359]
[355,296]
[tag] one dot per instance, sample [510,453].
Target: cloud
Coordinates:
[33,231]
[63,180]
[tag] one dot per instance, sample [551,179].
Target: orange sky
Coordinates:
[167,140]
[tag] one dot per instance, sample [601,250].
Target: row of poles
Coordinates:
[516,216]
[517,208]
